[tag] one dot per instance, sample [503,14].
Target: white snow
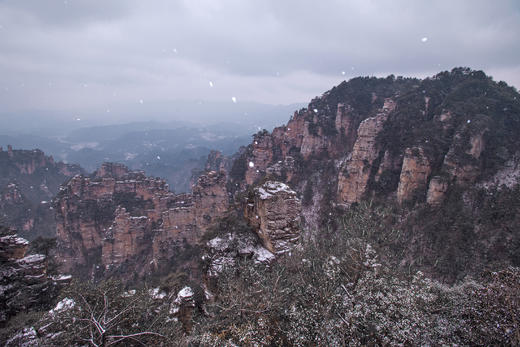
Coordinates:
[157,293]
[315,110]
[33,258]
[159,157]
[185,292]
[62,278]
[270,188]
[251,164]
[343,73]
[469,121]
[211,84]
[141,101]
[15,239]
[234,99]
[424,39]
[262,255]
[63,305]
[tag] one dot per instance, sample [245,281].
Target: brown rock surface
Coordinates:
[353,178]
[414,173]
[24,283]
[436,191]
[132,220]
[274,212]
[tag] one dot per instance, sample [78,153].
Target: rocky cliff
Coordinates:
[274,211]
[24,282]
[28,181]
[426,147]
[120,221]
[418,145]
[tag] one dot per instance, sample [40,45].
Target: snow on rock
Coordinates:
[25,338]
[274,213]
[184,299]
[156,293]
[262,255]
[64,305]
[185,292]
[272,188]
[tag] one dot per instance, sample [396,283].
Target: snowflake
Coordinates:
[251,164]
[234,99]
[424,39]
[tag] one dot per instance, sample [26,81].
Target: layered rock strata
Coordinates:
[274,213]
[131,222]
[24,282]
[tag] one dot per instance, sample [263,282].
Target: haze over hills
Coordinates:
[165,146]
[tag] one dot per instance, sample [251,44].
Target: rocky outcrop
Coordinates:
[182,308]
[354,176]
[28,181]
[414,174]
[24,283]
[436,191]
[131,222]
[274,213]
[224,251]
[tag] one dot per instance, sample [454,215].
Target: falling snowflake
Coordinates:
[343,73]
[424,39]
[315,110]
[211,84]
[234,99]
[174,50]
[158,157]
[251,164]
[141,101]
[469,121]
[78,119]
[256,142]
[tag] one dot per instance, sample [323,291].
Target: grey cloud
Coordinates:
[94,55]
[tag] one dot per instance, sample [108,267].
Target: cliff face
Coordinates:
[131,223]
[354,176]
[274,213]
[429,146]
[28,181]
[24,283]
[419,145]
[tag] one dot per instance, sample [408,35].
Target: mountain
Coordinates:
[385,212]
[443,152]
[28,182]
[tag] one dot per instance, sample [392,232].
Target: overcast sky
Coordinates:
[71,55]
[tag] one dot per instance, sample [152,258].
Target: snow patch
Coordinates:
[64,305]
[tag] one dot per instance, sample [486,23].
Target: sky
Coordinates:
[70,56]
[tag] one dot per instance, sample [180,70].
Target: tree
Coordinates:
[107,315]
